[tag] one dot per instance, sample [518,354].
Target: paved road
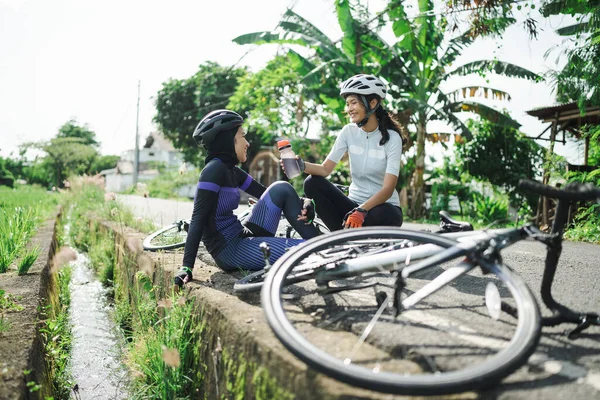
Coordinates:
[560,368]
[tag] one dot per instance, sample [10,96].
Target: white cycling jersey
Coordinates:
[369,161]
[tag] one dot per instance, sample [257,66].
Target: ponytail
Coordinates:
[387,121]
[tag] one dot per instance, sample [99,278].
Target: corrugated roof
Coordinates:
[550,111]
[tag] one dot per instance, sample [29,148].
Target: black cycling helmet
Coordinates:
[214,123]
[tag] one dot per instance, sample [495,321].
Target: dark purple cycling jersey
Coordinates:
[217,196]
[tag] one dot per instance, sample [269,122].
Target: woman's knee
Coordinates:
[312,185]
[281,187]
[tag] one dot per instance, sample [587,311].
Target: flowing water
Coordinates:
[95,358]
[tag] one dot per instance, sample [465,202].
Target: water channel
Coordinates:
[95,359]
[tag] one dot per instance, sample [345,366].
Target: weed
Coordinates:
[20,212]
[4,324]
[166,356]
[58,338]
[28,259]
[8,302]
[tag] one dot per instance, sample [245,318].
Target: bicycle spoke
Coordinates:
[367,331]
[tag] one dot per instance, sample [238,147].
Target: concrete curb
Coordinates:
[25,350]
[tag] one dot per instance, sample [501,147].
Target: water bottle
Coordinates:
[290,164]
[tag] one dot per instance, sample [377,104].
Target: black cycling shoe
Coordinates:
[183,276]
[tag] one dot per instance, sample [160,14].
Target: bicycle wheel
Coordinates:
[254,282]
[170,237]
[343,322]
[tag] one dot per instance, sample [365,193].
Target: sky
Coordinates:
[65,59]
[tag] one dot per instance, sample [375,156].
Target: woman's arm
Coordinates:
[204,204]
[248,184]
[323,169]
[389,185]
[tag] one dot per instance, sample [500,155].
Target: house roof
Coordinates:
[566,112]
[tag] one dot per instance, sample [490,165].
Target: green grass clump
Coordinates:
[21,211]
[27,260]
[165,357]
[57,337]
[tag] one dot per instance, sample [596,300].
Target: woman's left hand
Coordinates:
[307,214]
[355,218]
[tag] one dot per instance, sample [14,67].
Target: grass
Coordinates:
[165,356]
[21,210]
[27,260]
[57,337]
[4,324]
[8,302]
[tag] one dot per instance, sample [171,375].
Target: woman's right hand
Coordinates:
[300,161]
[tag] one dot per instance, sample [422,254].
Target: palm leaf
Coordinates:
[270,37]
[472,91]
[554,7]
[293,29]
[458,43]
[448,116]
[401,26]
[348,25]
[484,111]
[573,29]
[498,67]
[308,29]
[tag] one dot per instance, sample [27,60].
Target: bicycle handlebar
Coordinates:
[572,191]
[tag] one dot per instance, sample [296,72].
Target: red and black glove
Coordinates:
[355,218]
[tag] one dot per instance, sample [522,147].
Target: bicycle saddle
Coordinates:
[447,224]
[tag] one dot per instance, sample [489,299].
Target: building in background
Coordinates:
[156,151]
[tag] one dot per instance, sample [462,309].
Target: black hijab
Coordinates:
[223,148]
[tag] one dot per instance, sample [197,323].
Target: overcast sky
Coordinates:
[64,59]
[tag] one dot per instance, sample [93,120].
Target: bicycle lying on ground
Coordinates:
[253,282]
[457,320]
[173,236]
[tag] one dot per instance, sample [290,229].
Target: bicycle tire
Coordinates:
[170,237]
[491,370]
[254,282]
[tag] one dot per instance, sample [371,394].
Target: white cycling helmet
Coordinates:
[365,85]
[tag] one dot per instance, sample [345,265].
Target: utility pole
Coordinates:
[136,152]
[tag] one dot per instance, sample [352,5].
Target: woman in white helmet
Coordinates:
[374,145]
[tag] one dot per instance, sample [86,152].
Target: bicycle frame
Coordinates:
[470,243]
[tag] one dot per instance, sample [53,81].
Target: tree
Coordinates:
[6,176]
[72,129]
[579,80]
[496,145]
[181,103]
[100,163]
[416,67]
[68,156]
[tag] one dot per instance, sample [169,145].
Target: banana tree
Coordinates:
[415,66]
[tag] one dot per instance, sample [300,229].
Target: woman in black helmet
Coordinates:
[232,245]
[374,145]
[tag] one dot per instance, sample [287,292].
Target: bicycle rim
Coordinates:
[167,238]
[446,344]
[250,283]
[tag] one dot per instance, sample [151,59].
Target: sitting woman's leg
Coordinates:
[384,214]
[245,253]
[266,213]
[331,204]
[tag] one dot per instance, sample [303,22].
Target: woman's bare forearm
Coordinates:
[323,169]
